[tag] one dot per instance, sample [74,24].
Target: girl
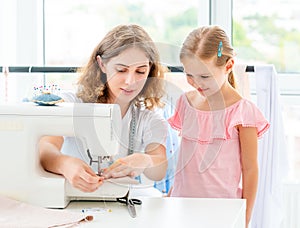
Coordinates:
[219,128]
[123,69]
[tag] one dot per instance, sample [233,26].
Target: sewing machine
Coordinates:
[22,125]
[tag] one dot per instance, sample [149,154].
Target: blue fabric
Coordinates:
[171,150]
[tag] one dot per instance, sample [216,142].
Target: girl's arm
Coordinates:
[248,143]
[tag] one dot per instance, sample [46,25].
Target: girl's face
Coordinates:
[126,74]
[205,76]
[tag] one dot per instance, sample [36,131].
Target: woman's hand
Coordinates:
[77,172]
[80,174]
[132,165]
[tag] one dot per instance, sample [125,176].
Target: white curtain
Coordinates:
[242,78]
[273,164]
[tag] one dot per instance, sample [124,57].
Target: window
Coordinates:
[70,40]
[74,28]
[268,31]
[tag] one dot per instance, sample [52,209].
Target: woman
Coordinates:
[123,69]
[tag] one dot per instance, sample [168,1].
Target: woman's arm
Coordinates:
[49,148]
[158,167]
[76,171]
[153,163]
[248,142]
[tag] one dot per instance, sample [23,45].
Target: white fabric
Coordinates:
[273,164]
[16,214]
[151,128]
[242,78]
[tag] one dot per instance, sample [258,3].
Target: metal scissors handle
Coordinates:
[130,203]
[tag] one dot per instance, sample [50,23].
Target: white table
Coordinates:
[167,212]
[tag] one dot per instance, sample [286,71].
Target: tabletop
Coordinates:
[166,212]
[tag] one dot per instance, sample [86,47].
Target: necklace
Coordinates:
[132,129]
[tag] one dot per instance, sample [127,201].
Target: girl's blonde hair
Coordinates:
[92,83]
[204,43]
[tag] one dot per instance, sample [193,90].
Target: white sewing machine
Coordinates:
[22,125]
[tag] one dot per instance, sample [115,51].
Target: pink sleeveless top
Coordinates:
[209,161]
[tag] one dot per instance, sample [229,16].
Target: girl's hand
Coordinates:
[80,174]
[132,165]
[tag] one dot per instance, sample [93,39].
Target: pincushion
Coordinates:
[47,98]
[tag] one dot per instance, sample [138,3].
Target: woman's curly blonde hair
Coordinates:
[92,83]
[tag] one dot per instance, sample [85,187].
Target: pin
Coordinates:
[220,49]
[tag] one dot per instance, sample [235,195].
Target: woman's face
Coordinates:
[126,74]
[204,75]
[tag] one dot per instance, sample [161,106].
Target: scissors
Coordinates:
[130,203]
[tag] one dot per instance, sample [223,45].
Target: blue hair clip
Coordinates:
[220,49]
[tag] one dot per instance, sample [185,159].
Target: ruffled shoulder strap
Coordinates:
[176,120]
[246,114]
